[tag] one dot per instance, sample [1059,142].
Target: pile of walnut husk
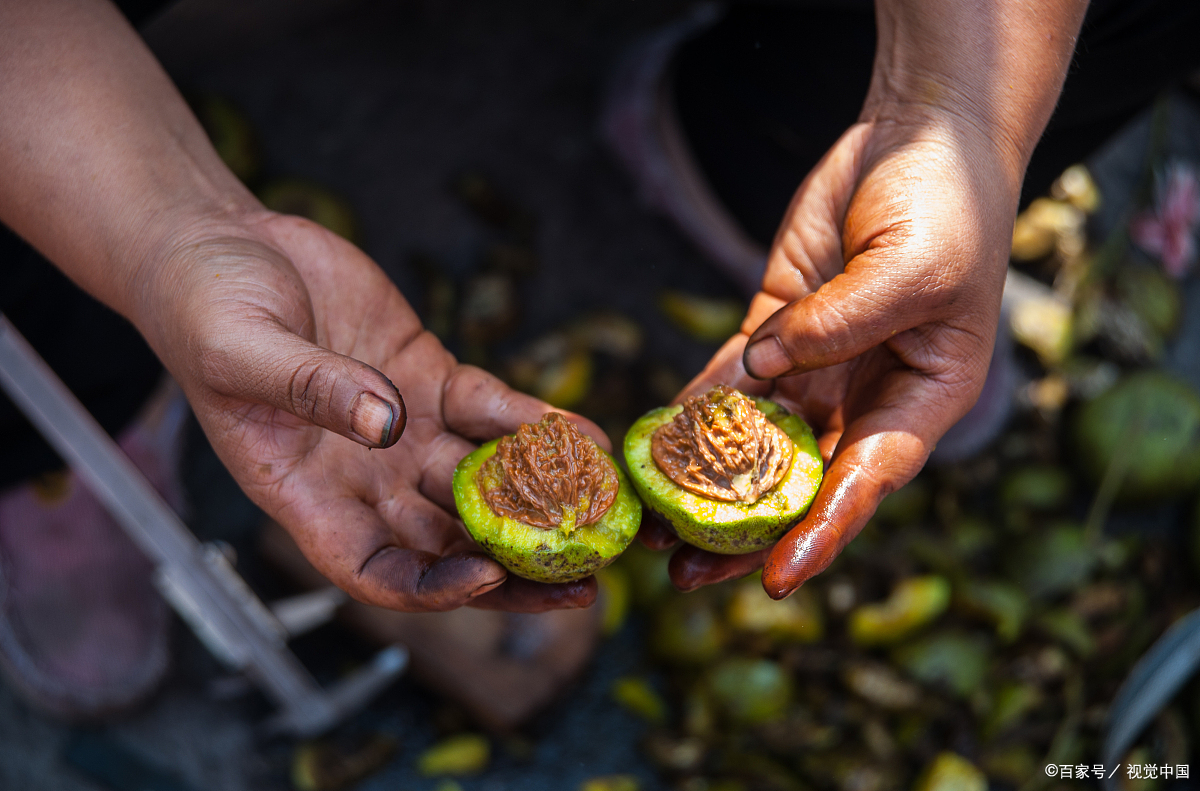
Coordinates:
[980,626]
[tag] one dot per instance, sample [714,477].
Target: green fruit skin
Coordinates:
[541,554]
[1154,419]
[751,691]
[915,602]
[687,631]
[723,527]
[951,772]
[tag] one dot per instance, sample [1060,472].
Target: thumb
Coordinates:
[855,311]
[338,393]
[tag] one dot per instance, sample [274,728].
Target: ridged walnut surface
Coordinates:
[721,446]
[549,475]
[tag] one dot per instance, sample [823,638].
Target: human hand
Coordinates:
[879,305]
[880,354]
[274,327]
[287,339]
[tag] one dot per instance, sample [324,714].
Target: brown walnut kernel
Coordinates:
[721,446]
[549,475]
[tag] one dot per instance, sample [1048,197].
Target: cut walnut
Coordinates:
[721,446]
[549,475]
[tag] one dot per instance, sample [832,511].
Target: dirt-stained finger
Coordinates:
[414,581]
[692,568]
[522,595]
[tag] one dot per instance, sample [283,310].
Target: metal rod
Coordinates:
[196,592]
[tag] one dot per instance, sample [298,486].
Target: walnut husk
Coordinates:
[549,475]
[721,446]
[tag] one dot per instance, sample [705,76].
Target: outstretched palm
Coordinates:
[288,329]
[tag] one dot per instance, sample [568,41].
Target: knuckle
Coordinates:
[221,365]
[832,324]
[212,363]
[306,388]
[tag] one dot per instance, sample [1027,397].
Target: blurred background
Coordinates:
[979,629]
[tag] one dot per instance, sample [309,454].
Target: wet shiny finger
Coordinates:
[871,466]
[522,595]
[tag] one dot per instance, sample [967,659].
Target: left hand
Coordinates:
[278,330]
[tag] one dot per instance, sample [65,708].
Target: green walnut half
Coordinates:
[730,473]
[547,502]
[1145,432]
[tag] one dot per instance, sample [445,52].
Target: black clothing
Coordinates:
[765,92]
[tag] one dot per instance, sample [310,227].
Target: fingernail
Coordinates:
[766,359]
[486,587]
[782,593]
[372,418]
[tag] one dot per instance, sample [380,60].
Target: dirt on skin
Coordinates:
[549,475]
[721,446]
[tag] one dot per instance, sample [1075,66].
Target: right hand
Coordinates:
[875,323]
[879,306]
[287,340]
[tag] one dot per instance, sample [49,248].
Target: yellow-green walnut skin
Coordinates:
[538,553]
[727,528]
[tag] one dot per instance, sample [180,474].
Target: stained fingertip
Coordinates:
[375,422]
[522,595]
[486,587]
[458,578]
[778,587]
[580,593]
[767,359]
[798,557]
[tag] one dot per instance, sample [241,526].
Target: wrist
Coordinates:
[919,109]
[972,72]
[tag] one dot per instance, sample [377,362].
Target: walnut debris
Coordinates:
[721,446]
[549,475]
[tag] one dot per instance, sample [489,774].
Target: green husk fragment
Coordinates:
[951,772]
[915,602]
[457,756]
